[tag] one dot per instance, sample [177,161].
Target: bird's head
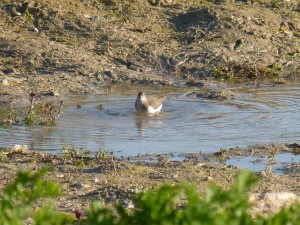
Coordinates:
[142,96]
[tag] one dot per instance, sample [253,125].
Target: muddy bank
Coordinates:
[66,46]
[107,179]
[57,47]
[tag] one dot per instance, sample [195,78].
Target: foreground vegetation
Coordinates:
[180,204]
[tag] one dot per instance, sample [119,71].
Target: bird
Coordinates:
[150,105]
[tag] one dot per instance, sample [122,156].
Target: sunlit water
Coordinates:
[260,115]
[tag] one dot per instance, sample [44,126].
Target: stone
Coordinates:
[271,202]
[208,178]
[20,148]
[5,82]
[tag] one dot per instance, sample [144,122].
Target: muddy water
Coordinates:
[261,115]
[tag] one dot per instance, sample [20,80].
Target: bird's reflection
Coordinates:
[144,121]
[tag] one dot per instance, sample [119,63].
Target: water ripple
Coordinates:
[267,114]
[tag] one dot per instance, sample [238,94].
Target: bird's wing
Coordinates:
[156,101]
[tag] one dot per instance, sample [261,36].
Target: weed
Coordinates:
[217,72]
[270,161]
[12,115]
[70,153]
[179,204]
[275,68]
[165,206]
[188,76]
[31,116]
[3,155]
[101,154]
[47,117]
[275,3]
[17,200]
[76,156]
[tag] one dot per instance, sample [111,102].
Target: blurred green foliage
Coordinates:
[168,205]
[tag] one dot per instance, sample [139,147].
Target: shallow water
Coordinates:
[261,115]
[258,164]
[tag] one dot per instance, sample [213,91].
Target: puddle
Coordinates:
[261,115]
[258,164]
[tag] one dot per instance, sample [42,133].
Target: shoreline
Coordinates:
[110,180]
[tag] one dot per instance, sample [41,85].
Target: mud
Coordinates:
[61,46]
[64,46]
[110,180]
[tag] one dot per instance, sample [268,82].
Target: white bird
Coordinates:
[151,105]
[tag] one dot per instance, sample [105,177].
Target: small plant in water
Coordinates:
[9,118]
[45,110]
[270,162]
[12,115]
[47,115]
[31,116]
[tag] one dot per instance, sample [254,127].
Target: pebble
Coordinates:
[201,164]
[5,82]
[174,175]
[19,148]
[208,178]
[7,122]
[112,198]
[272,201]
[78,186]
[54,93]
[133,190]
[288,33]
[128,204]
[95,17]
[59,175]
[263,173]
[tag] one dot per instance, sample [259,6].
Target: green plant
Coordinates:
[275,3]
[44,110]
[270,161]
[3,155]
[30,118]
[101,154]
[76,156]
[226,73]
[12,115]
[169,204]
[165,206]
[9,117]
[17,199]
[275,68]
[217,72]
[47,115]
[70,153]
